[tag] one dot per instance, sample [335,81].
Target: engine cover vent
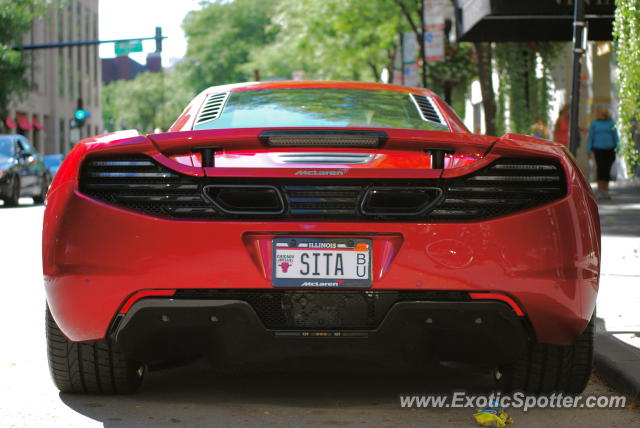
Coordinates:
[212,108]
[427,109]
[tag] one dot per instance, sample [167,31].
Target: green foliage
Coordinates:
[527,94]
[330,39]
[457,69]
[150,101]
[626,31]
[16,17]
[221,37]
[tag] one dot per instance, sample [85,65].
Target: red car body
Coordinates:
[101,259]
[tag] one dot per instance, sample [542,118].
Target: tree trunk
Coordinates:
[423,51]
[484,54]
[418,30]
[447,89]
[374,70]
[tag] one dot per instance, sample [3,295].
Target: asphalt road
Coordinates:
[196,395]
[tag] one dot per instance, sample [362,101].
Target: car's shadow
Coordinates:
[197,392]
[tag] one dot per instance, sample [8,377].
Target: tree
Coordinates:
[525,82]
[413,12]
[484,54]
[221,37]
[16,17]
[626,29]
[148,102]
[331,39]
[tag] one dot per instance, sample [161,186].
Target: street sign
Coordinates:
[125,47]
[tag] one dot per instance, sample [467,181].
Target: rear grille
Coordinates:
[140,184]
[321,310]
[504,187]
[332,201]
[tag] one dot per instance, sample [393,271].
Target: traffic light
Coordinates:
[80,115]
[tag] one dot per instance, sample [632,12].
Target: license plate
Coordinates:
[321,262]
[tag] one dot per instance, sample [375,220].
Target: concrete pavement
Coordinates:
[618,324]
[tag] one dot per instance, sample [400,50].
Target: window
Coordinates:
[88,49]
[60,73]
[61,139]
[96,57]
[80,49]
[69,24]
[24,145]
[70,86]
[320,107]
[60,25]
[7,147]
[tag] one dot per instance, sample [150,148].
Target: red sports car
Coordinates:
[295,219]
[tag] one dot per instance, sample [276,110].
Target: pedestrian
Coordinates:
[602,145]
[561,127]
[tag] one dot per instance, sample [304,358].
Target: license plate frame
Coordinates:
[285,247]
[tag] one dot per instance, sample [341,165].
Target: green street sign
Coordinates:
[128,46]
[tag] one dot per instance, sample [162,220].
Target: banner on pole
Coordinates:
[410,70]
[434,30]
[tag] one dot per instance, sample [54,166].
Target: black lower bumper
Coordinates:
[158,330]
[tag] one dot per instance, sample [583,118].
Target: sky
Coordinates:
[125,19]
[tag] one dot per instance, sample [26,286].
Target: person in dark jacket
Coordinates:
[602,145]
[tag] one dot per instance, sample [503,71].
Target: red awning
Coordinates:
[10,123]
[37,125]
[23,122]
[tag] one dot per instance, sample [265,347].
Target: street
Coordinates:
[197,396]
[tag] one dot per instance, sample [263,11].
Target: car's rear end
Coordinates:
[247,244]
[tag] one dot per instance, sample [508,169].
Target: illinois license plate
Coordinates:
[321,262]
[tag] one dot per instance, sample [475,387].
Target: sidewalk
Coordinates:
[617,343]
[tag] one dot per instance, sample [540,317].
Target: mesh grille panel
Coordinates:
[504,187]
[322,310]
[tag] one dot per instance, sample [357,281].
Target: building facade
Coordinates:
[61,80]
[124,68]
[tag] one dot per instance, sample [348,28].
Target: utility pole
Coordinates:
[579,25]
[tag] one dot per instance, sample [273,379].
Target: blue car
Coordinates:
[52,163]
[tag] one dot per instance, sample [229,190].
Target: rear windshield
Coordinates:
[320,107]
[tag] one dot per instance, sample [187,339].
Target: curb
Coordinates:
[617,363]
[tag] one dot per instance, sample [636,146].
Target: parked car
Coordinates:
[318,218]
[22,172]
[52,163]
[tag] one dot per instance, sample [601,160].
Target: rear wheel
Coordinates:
[544,368]
[12,199]
[44,188]
[97,367]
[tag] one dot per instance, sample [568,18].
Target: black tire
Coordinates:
[12,199]
[44,188]
[97,367]
[543,369]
